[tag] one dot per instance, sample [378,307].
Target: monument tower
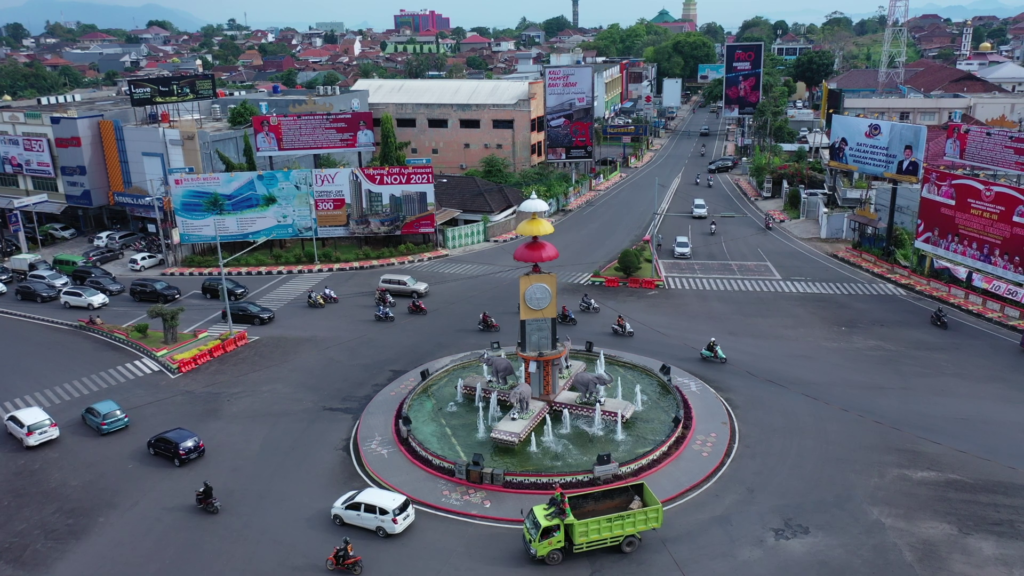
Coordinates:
[690,11]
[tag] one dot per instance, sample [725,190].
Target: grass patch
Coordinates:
[155,339]
[793,213]
[296,254]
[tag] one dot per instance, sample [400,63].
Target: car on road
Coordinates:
[705,131]
[403,284]
[178,444]
[153,290]
[211,288]
[105,416]
[699,209]
[247,312]
[102,255]
[82,297]
[720,165]
[383,511]
[31,426]
[82,273]
[105,284]
[6,274]
[35,291]
[121,240]
[51,278]
[62,232]
[144,260]
[3,288]
[681,247]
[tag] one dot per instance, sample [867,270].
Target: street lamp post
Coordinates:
[157,205]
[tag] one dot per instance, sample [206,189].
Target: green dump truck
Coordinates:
[605,517]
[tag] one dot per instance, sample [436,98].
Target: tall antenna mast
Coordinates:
[894,47]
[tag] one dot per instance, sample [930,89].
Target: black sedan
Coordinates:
[720,165]
[250,312]
[179,444]
[10,247]
[35,291]
[105,284]
[97,256]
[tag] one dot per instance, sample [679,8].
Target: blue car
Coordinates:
[105,416]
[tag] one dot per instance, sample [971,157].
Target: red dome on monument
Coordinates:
[535,251]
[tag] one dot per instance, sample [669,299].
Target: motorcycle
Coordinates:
[492,327]
[939,319]
[619,331]
[702,152]
[385,316]
[591,306]
[315,301]
[710,182]
[417,309]
[353,565]
[570,319]
[697,181]
[768,224]
[212,506]
[719,354]
[386,300]
[713,227]
[332,298]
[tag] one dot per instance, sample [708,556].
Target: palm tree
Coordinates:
[215,204]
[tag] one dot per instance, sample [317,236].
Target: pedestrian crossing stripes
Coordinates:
[83,386]
[791,286]
[282,295]
[444,267]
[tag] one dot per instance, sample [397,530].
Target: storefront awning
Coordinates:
[48,207]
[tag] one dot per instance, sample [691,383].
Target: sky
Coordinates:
[469,13]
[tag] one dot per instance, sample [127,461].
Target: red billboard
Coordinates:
[313,133]
[984,146]
[393,200]
[975,222]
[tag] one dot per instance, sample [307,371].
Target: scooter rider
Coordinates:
[206,494]
[565,312]
[712,348]
[587,300]
[714,225]
[487,320]
[938,314]
[328,293]
[382,310]
[344,552]
[621,322]
[701,149]
[711,180]
[416,305]
[697,181]
[311,296]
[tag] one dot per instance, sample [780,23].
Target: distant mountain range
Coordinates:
[34,14]
[958,12]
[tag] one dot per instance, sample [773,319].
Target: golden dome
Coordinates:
[985,47]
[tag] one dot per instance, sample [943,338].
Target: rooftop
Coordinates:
[475,195]
[444,91]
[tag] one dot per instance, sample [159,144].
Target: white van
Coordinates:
[383,511]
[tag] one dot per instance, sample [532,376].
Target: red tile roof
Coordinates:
[96,36]
[56,62]
[476,39]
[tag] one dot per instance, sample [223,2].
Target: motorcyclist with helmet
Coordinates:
[343,553]
[329,294]
[487,320]
[712,348]
[205,495]
[587,300]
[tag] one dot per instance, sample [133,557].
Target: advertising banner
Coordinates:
[391,200]
[1011,291]
[624,130]
[672,93]
[171,90]
[243,205]
[28,156]
[707,73]
[877,147]
[743,67]
[569,113]
[973,222]
[313,133]
[983,146]
[332,190]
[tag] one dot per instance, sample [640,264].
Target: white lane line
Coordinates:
[142,366]
[126,373]
[97,380]
[114,373]
[134,369]
[842,288]
[52,396]
[30,401]
[80,387]
[10,407]
[46,403]
[151,364]
[62,392]
[91,385]
[73,391]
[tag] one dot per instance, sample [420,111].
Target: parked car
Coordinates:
[383,511]
[100,239]
[34,237]
[6,274]
[705,131]
[82,273]
[105,416]
[10,247]
[31,426]
[154,290]
[51,278]
[105,284]
[211,288]
[721,165]
[62,232]
[178,444]
[35,291]
[122,240]
[804,132]
[608,161]
[699,209]
[3,288]
[403,284]
[102,255]
[681,247]
[247,312]
[82,297]
[144,260]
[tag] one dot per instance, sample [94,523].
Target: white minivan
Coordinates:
[383,511]
[31,426]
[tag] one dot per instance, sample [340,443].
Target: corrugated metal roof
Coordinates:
[481,92]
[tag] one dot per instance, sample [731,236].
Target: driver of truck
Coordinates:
[549,533]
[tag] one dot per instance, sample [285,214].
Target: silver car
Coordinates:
[403,284]
[681,248]
[51,278]
[700,208]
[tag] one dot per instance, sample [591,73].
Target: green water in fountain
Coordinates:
[453,434]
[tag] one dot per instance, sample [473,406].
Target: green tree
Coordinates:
[165,24]
[552,26]
[390,152]
[384,46]
[628,264]
[814,66]
[170,318]
[28,81]
[227,52]
[274,49]
[229,164]
[457,70]
[714,32]
[524,24]
[330,78]
[241,115]
[476,63]
[17,31]
[713,92]
[781,27]
[838,20]
[945,55]
[289,78]
[481,30]
[249,154]
[679,57]
[330,37]
[70,77]
[416,66]
[756,29]
[369,70]
[459,33]
[110,77]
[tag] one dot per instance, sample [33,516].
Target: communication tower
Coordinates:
[894,47]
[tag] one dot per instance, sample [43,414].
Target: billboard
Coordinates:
[672,93]
[243,205]
[743,66]
[974,222]
[313,133]
[984,146]
[569,113]
[391,200]
[877,147]
[171,90]
[28,156]
[707,73]
[628,130]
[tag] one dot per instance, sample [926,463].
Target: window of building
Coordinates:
[437,123]
[904,116]
[540,149]
[499,146]
[44,184]
[8,180]
[540,124]
[503,124]
[35,134]
[533,149]
[533,125]
[926,116]
[434,151]
[376,122]
[470,124]
[405,122]
[4,133]
[413,150]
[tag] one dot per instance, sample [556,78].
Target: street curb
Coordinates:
[306,269]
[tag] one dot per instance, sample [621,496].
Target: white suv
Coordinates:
[31,426]
[700,208]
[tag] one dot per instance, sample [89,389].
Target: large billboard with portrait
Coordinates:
[993,148]
[26,155]
[313,133]
[743,67]
[243,205]
[171,89]
[974,222]
[877,147]
[569,113]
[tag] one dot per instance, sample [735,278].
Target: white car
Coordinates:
[700,208]
[144,260]
[383,511]
[681,247]
[3,288]
[31,426]
[804,132]
[83,297]
[62,231]
[101,238]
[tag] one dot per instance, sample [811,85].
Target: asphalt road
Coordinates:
[870,442]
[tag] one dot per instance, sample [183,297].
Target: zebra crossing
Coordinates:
[462,268]
[287,292]
[83,386]
[791,286]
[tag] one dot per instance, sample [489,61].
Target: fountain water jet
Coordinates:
[598,424]
[549,432]
[481,431]
[618,396]
[452,407]
[458,392]
[533,441]
[566,423]
[493,412]
[618,426]
[478,390]
[639,400]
